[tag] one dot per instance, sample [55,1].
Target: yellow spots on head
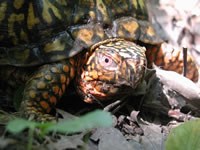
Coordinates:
[32,20]
[47,5]
[85,35]
[133,64]
[53,46]
[150,31]
[87,78]
[90,59]
[93,74]
[123,68]
[18,3]
[32,94]
[41,85]
[131,27]
[92,66]
[107,77]
[3,8]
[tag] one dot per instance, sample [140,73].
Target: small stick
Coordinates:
[184,61]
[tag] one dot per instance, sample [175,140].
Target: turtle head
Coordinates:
[114,69]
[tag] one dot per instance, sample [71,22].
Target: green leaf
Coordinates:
[18,125]
[94,119]
[184,137]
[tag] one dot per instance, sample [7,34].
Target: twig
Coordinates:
[184,61]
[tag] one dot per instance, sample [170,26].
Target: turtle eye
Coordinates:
[107,62]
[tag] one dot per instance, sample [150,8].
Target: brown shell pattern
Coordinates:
[43,31]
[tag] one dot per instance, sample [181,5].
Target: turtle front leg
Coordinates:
[44,88]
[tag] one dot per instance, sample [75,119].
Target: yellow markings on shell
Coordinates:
[131,27]
[46,14]
[41,85]
[23,35]
[3,8]
[150,31]
[56,45]
[141,4]
[135,3]
[18,3]
[86,36]
[102,8]
[32,20]
[11,21]
[32,94]
[22,56]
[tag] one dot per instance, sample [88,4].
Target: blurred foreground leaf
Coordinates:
[184,137]
[94,119]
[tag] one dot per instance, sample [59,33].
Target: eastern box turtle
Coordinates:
[44,44]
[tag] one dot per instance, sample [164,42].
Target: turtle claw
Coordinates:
[30,112]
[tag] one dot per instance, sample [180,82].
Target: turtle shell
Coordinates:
[43,31]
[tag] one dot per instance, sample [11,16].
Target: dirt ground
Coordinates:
[144,120]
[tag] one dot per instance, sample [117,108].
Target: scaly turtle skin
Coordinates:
[45,44]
